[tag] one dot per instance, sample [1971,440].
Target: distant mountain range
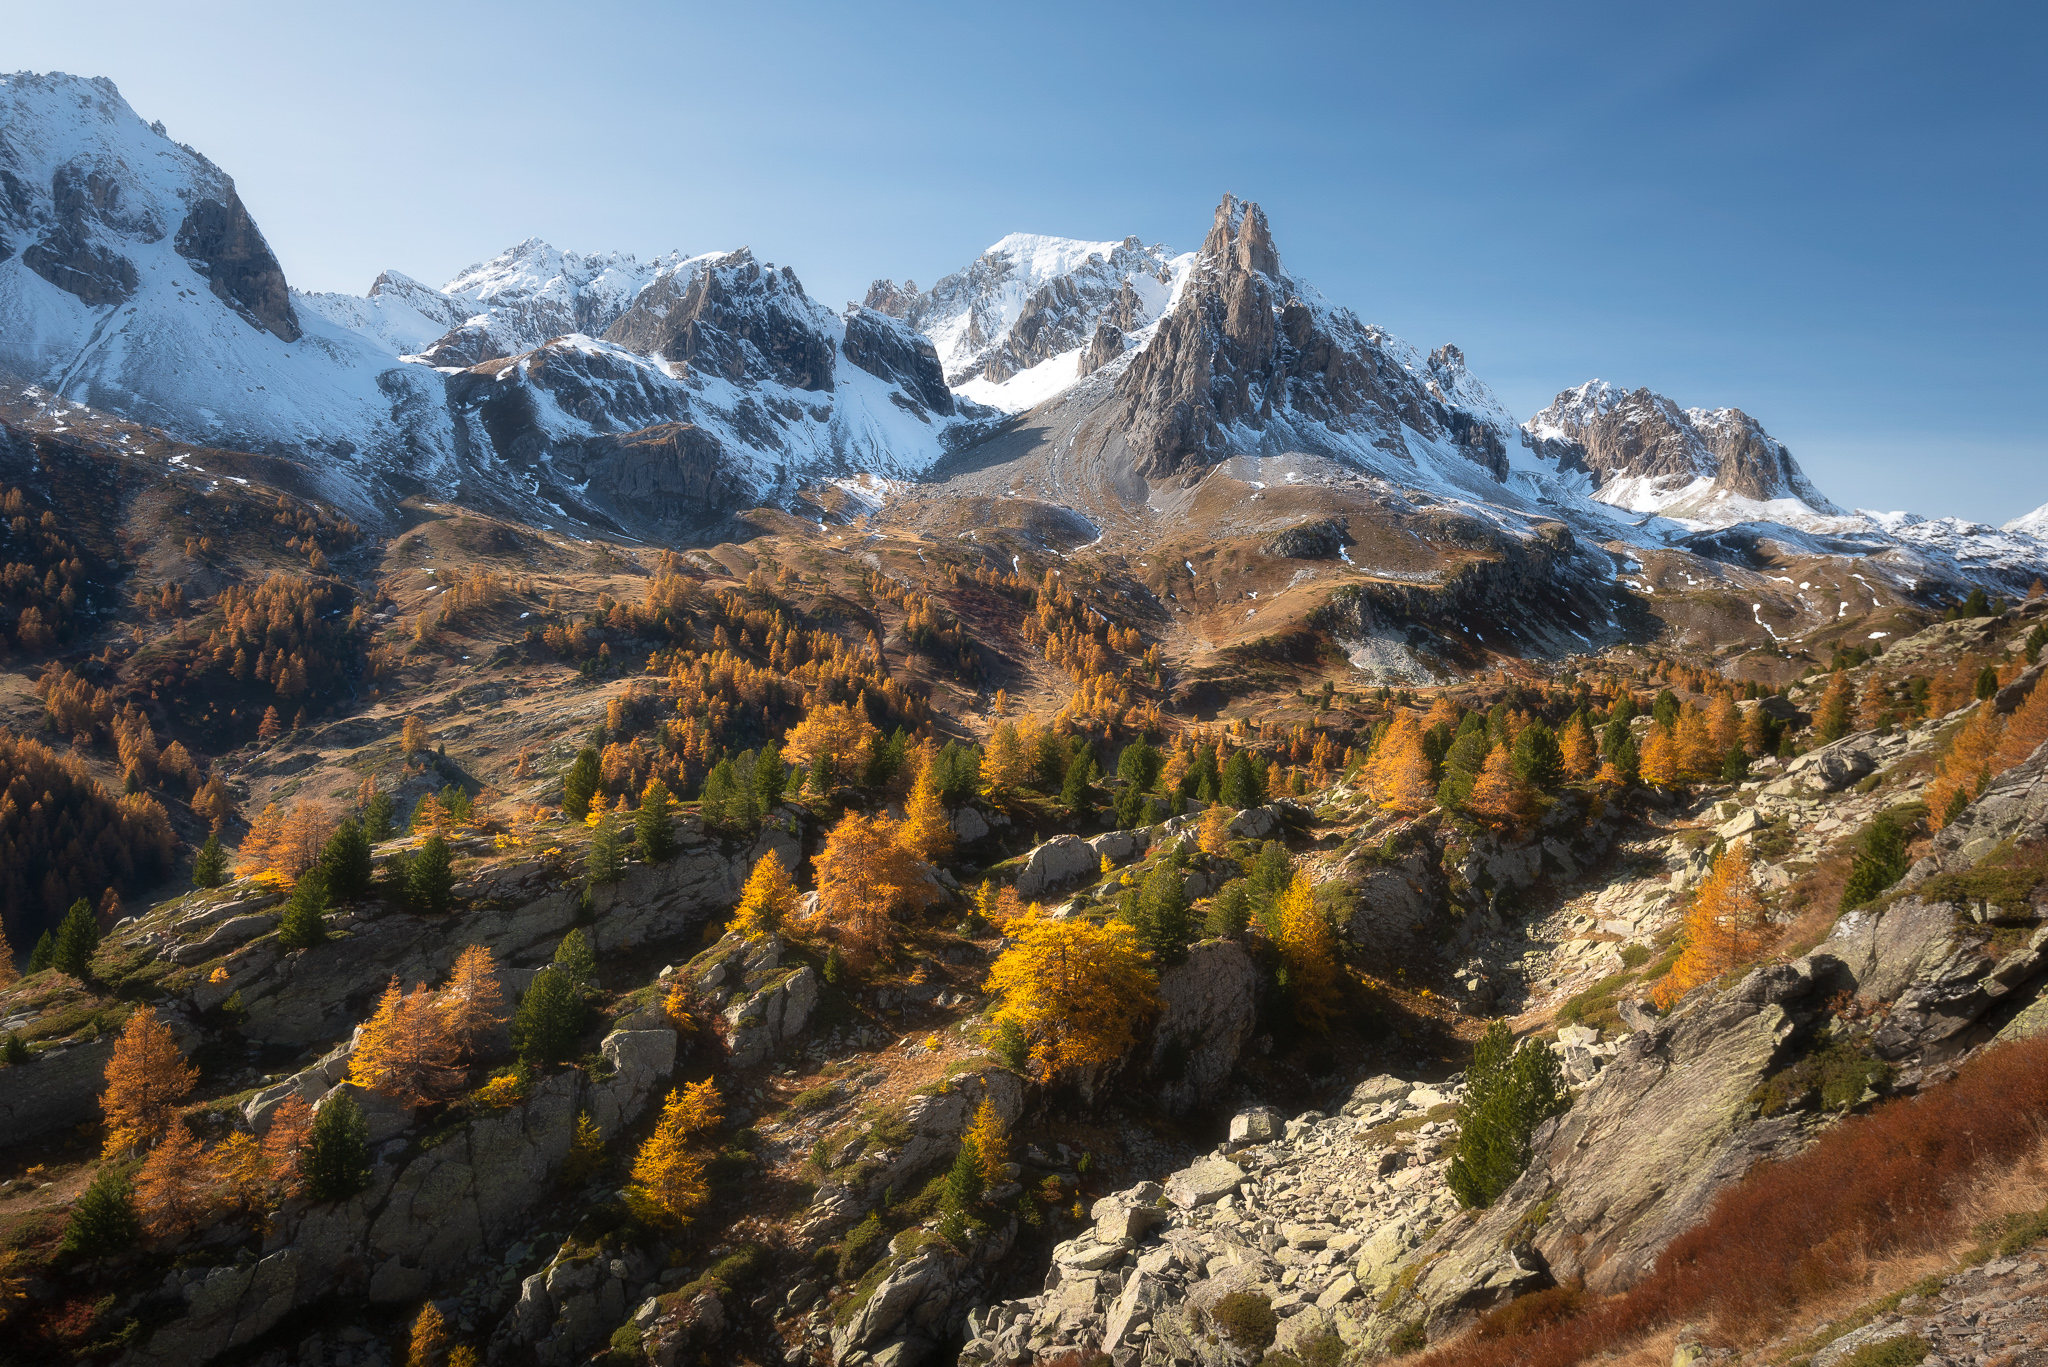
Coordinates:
[656,398]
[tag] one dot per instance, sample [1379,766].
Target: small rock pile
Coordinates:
[1315,1214]
[1995,1312]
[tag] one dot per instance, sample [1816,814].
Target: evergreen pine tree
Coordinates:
[337,1153]
[1735,765]
[963,1180]
[771,775]
[654,824]
[1880,861]
[430,878]
[549,1019]
[1509,1091]
[1077,793]
[820,778]
[210,865]
[103,1220]
[1538,760]
[300,927]
[1162,922]
[44,955]
[1242,788]
[377,815]
[14,1049]
[606,862]
[78,935]
[1230,911]
[574,958]
[345,861]
[579,784]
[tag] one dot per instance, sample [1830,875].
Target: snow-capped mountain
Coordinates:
[1645,454]
[658,396]
[2033,524]
[1033,314]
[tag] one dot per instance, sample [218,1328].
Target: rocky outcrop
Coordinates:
[1058,863]
[921,1299]
[888,350]
[1314,1215]
[1105,346]
[1211,1006]
[225,246]
[890,1154]
[425,1213]
[735,318]
[676,474]
[60,1087]
[764,1003]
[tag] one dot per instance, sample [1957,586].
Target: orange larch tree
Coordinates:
[668,1183]
[925,833]
[1966,768]
[1399,772]
[1308,951]
[1698,760]
[767,902]
[284,1143]
[1725,928]
[1660,762]
[1724,726]
[145,1077]
[864,880]
[1873,703]
[1078,991]
[1581,755]
[1499,797]
[474,1002]
[177,1184]
[405,1049]
[2025,730]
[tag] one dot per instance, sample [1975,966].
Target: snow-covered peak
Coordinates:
[1572,411]
[1010,327]
[2033,524]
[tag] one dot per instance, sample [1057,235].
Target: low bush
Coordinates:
[864,1243]
[1904,1351]
[1246,1319]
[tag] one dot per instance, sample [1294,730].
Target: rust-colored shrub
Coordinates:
[1891,1182]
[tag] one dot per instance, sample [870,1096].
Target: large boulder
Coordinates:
[1059,862]
[1211,1006]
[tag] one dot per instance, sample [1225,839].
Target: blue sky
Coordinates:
[1830,216]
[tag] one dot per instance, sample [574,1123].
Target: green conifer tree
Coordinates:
[301,927]
[78,935]
[606,862]
[549,1020]
[574,958]
[103,1218]
[210,865]
[1077,793]
[579,783]
[337,1153]
[430,878]
[377,814]
[346,862]
[654,828]
[771,776]
[44,955]
[1509,1091]
[963,1180]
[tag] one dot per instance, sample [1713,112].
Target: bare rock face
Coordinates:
[672,475]
[1211,1008]
[1060,861]
[888,350]
[1104,347]
[70,254]
[736,319]
[223,244]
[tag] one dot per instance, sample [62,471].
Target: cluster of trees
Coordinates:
[296,637]
[181,1183]
[668,1185]
[1984,747]
[63,836]
[44,576]
[1725,928]
[415,1046]
[1509,1091]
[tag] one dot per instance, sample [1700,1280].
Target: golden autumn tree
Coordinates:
[284,1143]
[405,1049]
[864,880]
[1308,951]
[473,1004]
[1661,763]
[1724,726]
[2024,732]
[925,833]
[145,1076]
[1873,703]
[991,1141]
[1966,768]
[767,902]
[1399,772]
[838,731]
[1215,833]
[1581,755]
[176,1186]
[1698,760]
[429,1339]
[1499,796]
[1725,928]
[668,1185]
[413,736]
[8,972]
[243,1168]
[1078,991]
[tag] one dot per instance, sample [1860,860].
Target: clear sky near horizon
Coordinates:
[1828,215]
